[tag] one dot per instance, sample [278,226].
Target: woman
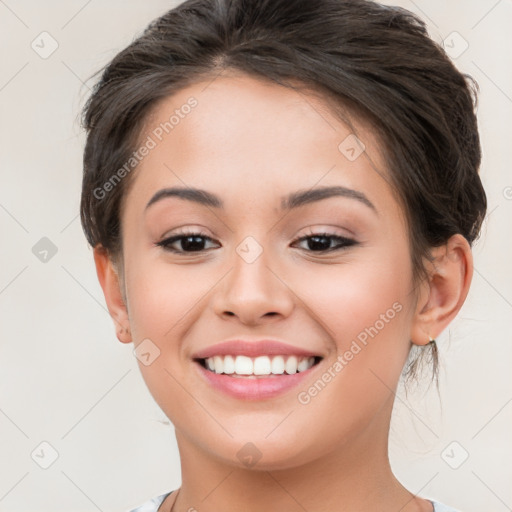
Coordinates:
[282,197]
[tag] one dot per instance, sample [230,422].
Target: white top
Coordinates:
[153,504]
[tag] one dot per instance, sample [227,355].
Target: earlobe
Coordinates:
[111,286]
[444,293]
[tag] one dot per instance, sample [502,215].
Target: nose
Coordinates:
[253,292]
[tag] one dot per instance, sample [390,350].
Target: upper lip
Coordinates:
[252,348]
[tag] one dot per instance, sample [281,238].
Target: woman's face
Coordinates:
[282,169]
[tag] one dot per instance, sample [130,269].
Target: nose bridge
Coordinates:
[252,289]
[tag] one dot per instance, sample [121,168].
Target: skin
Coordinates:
[251,142]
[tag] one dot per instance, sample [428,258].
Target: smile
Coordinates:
[242,366]
[254,369]
[252,384]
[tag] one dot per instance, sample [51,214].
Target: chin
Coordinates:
[261,454]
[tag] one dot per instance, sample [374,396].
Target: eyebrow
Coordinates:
[293,200]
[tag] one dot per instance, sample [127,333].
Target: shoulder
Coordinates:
[152,505]
[439,507]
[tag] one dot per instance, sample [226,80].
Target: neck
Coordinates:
[354,476]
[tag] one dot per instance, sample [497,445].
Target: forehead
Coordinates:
[238,133]
[250,109]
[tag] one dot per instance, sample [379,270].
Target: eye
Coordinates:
[321,242]
[189,242]
[195,242]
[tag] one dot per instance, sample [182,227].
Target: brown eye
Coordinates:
[185,243]
[322,242]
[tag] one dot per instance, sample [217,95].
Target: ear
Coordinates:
[110,283]
[442,295]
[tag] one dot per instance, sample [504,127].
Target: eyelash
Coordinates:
[344,242]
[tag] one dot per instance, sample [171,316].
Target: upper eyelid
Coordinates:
[326,233]
[177,236]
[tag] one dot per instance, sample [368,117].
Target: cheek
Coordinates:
[348,299]
[164,301]
[366,308]
[162,295]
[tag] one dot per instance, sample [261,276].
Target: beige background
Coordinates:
[67,381]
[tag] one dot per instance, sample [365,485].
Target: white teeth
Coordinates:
[302,365]
[261,365]
[243,365]
[278,365]
[229,365]
[218,363]
[291,365]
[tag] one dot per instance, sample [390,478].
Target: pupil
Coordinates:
[315,242]
[192,243]
[196,243]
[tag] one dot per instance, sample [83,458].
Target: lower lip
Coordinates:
[254,388]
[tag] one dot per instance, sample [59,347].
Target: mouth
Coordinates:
[261,367]
[254,369]
[255,378]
